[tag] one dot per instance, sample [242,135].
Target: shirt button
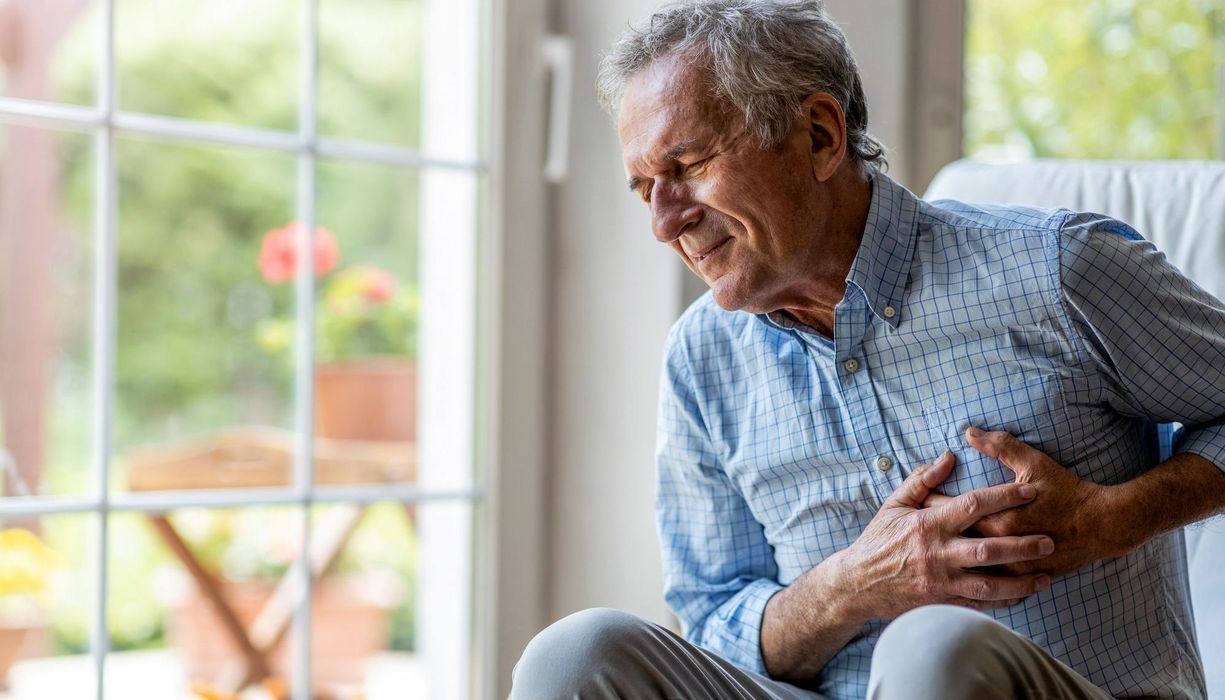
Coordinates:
[851,365]
[884,463]
[889,312]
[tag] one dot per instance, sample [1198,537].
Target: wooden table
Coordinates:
[259,458]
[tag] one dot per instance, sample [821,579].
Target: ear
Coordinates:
[826,126]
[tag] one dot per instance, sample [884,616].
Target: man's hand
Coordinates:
[910,556]
[1072,512]
[906,557]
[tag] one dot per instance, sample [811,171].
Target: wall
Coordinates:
[616,292]
[879,37]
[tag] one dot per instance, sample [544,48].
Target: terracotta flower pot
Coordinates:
[367,399]
[13,639]
[350,617]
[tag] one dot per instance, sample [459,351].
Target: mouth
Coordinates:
[710,250]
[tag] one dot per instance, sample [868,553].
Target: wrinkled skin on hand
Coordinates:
[1067,509]
[910,556]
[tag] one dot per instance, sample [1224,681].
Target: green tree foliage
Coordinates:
[1111,79]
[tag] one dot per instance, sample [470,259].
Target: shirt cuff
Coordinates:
[734,629]
[1207,442]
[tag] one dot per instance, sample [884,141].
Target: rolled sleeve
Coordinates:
[1208,443]
[1158,336]
[719,570]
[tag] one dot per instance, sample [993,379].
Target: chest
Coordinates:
[821,433]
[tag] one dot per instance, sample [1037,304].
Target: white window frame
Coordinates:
[450,365]
[511,595]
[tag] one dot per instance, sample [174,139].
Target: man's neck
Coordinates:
[814,305]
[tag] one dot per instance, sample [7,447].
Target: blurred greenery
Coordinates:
[1110,79]
[190,222]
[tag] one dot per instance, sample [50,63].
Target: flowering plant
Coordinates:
[25,563]
[278,256]
[364,310]
[26,567]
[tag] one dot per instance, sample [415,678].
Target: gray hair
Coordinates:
[764,58]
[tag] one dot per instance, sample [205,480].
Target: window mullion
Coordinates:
[304,377]
[104,332]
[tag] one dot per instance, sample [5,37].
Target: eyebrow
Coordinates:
[679,150]
[673,154]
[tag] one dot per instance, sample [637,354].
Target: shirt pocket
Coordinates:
[1033,410]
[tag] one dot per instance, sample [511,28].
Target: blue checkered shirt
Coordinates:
[1066,329]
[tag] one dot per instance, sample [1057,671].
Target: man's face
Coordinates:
[742,218]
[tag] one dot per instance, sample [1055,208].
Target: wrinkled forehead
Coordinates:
[667,102]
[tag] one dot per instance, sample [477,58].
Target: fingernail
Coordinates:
[1045,546]
[1027,491]
[944,458]
[1044,581]
[975,432]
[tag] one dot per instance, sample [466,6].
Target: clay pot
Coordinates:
[367,399]
[350,619]
[13,638]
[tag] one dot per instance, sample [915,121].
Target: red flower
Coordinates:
[379,286]
[278,258]
[356,285]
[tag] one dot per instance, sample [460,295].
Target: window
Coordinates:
[227,229]
[1103,79]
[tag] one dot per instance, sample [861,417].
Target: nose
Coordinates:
[672,211]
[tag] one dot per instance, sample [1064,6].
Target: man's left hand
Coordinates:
[1076,514]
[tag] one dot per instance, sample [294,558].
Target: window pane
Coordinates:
[169,636]
[169,639]
[364,621]
[370,70]
[46,298]
[203,375]
[52,54]
[1115,79]
[449,264]
[444,594]
[230,61]
[47,597]
[366,324]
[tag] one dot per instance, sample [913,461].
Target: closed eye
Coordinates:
[695,166]
[643,187]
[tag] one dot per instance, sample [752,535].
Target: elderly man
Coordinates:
[907,449]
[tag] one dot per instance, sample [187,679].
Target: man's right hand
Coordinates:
[910,556]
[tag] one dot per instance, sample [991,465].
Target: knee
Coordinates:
[922,648]
[941,631]
[571,657]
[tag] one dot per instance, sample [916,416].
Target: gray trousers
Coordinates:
[605,654]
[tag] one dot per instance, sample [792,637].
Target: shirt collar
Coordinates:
[881,267]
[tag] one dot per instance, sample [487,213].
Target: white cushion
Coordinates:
[1180,207]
